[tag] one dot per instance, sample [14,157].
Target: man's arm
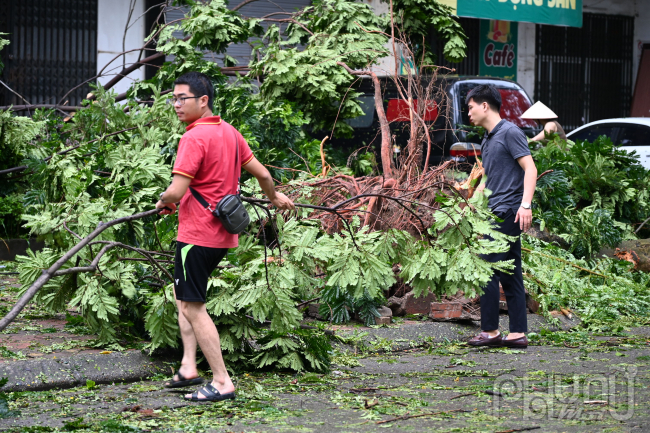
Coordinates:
[549,128]
[173,194]
[525,216]
[265,180]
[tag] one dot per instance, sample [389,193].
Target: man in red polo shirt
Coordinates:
[210,156]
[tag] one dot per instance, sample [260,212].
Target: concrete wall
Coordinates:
[112,19]
[641,31]
[640,9]
[386,65]
[526,57]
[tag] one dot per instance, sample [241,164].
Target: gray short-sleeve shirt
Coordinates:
[505,178]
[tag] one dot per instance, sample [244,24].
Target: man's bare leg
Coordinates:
[188,363]
[208,339]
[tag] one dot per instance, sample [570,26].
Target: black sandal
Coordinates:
[210,393]
[183,382]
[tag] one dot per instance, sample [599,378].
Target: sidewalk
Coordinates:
[408,334]
[40,352]
[601,384]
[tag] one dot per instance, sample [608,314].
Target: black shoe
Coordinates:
[183,382]
[210,393]
[484,339]
[515,343]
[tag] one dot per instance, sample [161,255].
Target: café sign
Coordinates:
[498,49]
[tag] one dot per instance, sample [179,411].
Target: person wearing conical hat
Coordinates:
[547,118]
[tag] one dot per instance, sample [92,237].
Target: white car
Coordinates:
[631,133]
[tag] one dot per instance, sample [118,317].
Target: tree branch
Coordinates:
[563,261]
[28,107]
[135,66]
[52,271]
[91,268]
[641,226]
[242,4]
[70,149]
[145,253]
[383,122]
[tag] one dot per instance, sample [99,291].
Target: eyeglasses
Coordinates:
[180,101]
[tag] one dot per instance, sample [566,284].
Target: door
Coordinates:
[636,138]
[585,74]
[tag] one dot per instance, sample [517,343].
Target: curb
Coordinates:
[134,365]
[419,334]
[68,372]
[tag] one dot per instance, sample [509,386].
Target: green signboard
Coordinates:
[556,12]
[498,49]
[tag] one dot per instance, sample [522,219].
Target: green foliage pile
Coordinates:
[595,194]
[11,211]
[114,160]
[446,263]
[605,293]
[17,134]
[253,302]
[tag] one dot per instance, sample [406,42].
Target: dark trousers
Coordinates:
[513,284]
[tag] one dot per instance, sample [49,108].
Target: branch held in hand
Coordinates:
[53,270]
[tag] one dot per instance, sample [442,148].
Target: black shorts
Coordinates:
[192,268]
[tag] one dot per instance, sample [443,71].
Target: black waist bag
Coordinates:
[230,210]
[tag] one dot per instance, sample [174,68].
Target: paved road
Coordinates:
[599,386]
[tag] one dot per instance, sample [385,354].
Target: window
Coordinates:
[593,132]
[513,104]
[367,104]
[634,135]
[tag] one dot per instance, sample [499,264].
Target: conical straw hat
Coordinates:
[539,111]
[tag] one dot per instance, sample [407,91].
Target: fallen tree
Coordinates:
[596,195]
[352,237]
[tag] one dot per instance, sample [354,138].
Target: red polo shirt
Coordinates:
[206,154]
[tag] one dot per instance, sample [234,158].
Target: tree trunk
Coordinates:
[383,122]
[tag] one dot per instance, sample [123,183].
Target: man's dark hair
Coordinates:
[485,93]
[200,85]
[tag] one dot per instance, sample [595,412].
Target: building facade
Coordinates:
[584,67]
[582,73]
[56,45]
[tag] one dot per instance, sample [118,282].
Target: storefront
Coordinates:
[580,59]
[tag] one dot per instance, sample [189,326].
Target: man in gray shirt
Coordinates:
[511,176]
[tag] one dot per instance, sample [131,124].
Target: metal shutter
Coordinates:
[585,74]
[53,48]
[470,64]
[256,9]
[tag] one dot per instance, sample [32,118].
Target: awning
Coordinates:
[554,12]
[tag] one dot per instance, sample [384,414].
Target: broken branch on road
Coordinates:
[404,417]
